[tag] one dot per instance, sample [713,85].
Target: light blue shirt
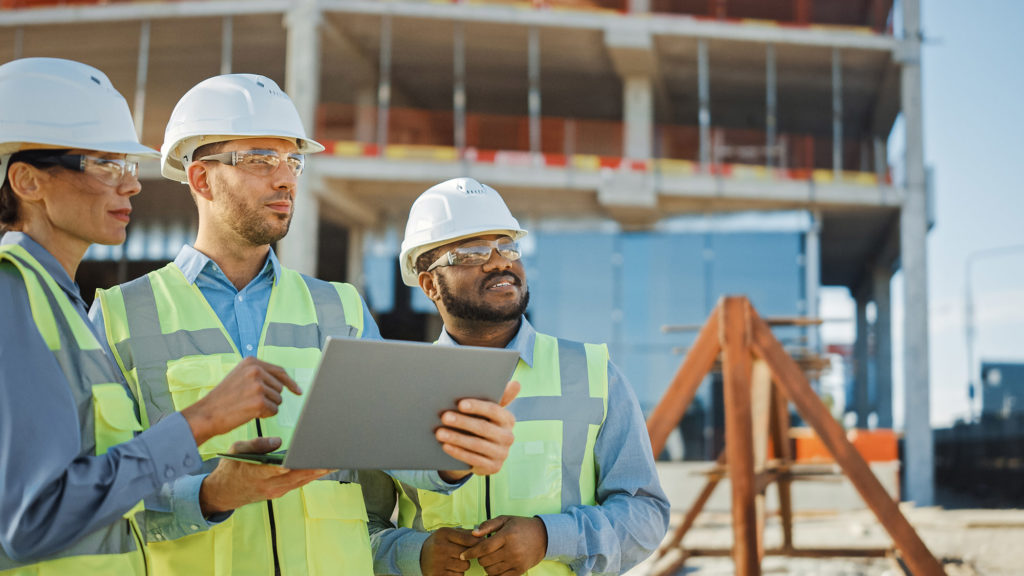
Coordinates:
[243,312]
[625,527]
[176,511]
[50,495]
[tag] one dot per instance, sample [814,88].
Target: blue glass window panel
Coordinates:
[572,285]
[761,266]
[380,282]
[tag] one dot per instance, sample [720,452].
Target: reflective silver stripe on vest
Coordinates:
[82,369]
[330,320]
[157,349]
[577,410]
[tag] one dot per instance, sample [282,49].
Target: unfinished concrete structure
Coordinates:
[625,110]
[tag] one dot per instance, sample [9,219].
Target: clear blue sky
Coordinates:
[974,139]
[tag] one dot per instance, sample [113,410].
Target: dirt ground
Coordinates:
[969,542]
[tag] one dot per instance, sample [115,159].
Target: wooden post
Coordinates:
[739,449]
[680,393]
[792,380]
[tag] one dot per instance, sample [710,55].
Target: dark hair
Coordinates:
[426,259]
[9,212]
[208,149]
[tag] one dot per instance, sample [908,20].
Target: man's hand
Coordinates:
[440,552]
[479,434]
[251,390]
[233,484]
[516,545]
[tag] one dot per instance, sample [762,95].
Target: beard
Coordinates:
[466,309]
[252,224]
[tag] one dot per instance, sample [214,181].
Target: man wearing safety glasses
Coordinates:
[579,492]
[238,143]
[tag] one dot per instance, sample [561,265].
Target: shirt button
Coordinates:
[188,461]
[157,537]
[194,526]
[248,347]
[168,472]
[241,298]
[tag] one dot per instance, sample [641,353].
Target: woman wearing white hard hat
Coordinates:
[73,470]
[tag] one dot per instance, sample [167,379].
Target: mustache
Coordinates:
[504,274]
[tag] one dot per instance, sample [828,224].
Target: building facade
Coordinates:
[617,116]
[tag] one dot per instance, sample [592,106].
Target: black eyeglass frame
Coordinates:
[80,163]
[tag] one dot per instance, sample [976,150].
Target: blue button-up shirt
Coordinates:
[625,527]
[50,496]
[242,312]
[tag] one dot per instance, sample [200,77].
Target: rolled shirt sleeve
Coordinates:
[50,495]
[632,514]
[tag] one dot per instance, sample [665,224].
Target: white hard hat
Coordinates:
[55,103]
[451,210]
[229,107]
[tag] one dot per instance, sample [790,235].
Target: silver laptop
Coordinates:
[375,404]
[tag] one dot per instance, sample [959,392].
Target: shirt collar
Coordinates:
[192,262]
[522,342]
[48,262]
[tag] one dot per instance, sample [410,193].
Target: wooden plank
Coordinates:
[800,552]
[688,520]
[761,396]
[789,377]
[783,452]
[739,449]
[684,385]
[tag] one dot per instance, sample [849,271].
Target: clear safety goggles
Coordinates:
[110,171]
[478,253]
[258,162]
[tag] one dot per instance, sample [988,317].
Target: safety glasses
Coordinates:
[258,162]
[110,171]
[478,252]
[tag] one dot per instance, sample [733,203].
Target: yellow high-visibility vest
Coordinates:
[550,466]
[173,350]
[117,548]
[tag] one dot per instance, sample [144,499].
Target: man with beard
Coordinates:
[238,143]
[579,491]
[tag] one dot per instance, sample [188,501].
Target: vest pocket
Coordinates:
[114,412]
[192,378]
[337,541]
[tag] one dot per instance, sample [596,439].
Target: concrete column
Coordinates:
[298,250]
[837,114]
[384,84]
[638,116]
[366,114]
[459,88]
[881,159]
[227,32]
[354,272]
[883,345]
[141,72]
[859,402]
[812,279]
[533,98]
[704,98]
[919,442]
[639,6]
[771,159]
[19,42]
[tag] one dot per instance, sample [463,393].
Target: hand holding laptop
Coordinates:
[478,434]
[234,483]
